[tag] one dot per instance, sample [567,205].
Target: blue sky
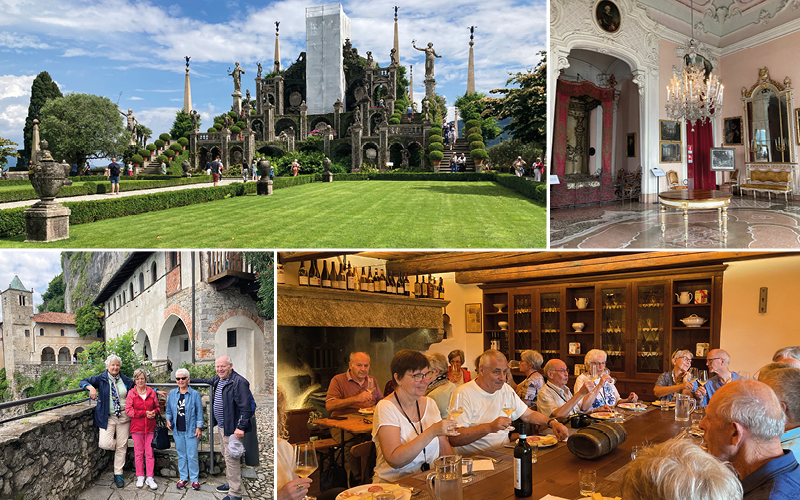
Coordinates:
[108,47]
[35,268]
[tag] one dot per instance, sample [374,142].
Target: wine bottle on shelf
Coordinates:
[337,283]
[435,287]
[363,284]
[523,465]
[317,278]
[441,289]
[430,286]
[326,278]
[311,268]
[384,284]
[417,287]
[423,288]
[409,289]
[370,280]
[342,277]
[350,278]
[340,283]
[397,285]
[394,285]
[302,275]
[280,275]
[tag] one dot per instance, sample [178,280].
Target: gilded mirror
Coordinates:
[769,136]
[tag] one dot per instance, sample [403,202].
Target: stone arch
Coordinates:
[143,341]
[369,145]
[379,90]
[351,101]
[78,350]
[235,156]
[258,128]
[48,356]
[271,151]
[283,124]
[396,153]
[215,151]
[248,355]
[64,357]
[319,119]
[415,153]
[374,121]
[202,156]
[343,150]
[174,315]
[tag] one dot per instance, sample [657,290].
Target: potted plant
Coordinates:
[183,141]
[478,155]
[235,131]
[159,144]
[165,137]
[137,160]
[145,153]
[436,157]
[177,148]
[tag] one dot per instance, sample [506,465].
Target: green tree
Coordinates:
[7,149]
[88,320]
[92,360]
[43,89]
[5,392]
[264,268]
[82,126]
[471,107]
[525,104]
[182,125]
[53,298]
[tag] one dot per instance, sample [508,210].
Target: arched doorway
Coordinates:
[242,340]
[63,356]
[174,342]
[48,356]
[76,354]
[143,341]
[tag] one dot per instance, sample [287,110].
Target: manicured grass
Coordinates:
[367,214]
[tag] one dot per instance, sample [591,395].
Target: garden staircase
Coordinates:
[460,146]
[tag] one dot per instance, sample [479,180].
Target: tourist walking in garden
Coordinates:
[295,168]
[451,135]
[162,169]
[216,168]
[142,407]
[410,112]
[255,171]
[233,408]
[112,174]
[185,420]
[130,169]
[537,169]
[244,171]
[109,414]
[453,164]
[519,167]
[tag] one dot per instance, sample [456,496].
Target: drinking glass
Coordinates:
[305,461]
[744,375]
[693,373]
[608,372]
[509,406]
[635,452]
[535,451]
[587,480]
[695,418]
[702,377]
[665,404]
[454,409]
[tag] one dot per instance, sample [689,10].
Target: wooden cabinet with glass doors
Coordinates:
[635,318]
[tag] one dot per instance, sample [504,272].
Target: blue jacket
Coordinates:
[778,479]
[100,383]
[194,409]
[236,398]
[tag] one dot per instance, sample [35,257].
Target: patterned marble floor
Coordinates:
[752,224]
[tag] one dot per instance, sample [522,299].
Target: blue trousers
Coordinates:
[186,446]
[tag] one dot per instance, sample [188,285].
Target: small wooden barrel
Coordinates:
[596,440]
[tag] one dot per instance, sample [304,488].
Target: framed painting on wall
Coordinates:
[732,131]
[722,159]
[631,145]
[671,152]
[670,131]
[473,318]
[797,124]
[607,15]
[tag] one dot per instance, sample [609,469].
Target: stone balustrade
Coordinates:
[405,129]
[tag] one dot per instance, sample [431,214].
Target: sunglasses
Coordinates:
[181,378]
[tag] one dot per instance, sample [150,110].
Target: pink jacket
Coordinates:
[137,409]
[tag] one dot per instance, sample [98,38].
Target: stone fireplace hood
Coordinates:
[319,307]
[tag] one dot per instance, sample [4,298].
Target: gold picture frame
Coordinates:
[797,124]
[670,152]
[473,318]
[630,145]
[732,131]
[669,131]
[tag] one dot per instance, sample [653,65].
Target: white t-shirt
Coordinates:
[284,464]
[608,395]
[480,407]
[386,413]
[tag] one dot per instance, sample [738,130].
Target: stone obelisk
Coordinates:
[277,66]
[471,64]
[396,38]
[187,90]
[411,83]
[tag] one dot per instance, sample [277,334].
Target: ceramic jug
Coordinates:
[684,406]
[684,297]
[445,482]
[582,302]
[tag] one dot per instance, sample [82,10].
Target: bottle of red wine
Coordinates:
[430,286]
[302,275]
[441,289]
[418,287]
[363,283]
[317,280]
[326,278]
[350,277]
[370,281]
[523,465]
[409,289]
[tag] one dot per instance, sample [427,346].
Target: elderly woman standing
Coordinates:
[604,391]
[185,420]
[457,374]
[109,414]
[142,407]
[528,389]
[440,389]
[677,379]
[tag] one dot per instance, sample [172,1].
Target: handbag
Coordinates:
[161,434]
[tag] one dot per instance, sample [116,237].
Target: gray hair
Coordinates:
[140,371]
[550,366]
[489,353]
[437,361]
[785,381]
[533,358]
[681,353]
[787,352]
[595,356]
[755,406]
[112,357]
[353,355]
[454,353]
[182,371]
[227,360]
[677,470]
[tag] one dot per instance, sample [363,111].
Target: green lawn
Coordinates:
[358,214]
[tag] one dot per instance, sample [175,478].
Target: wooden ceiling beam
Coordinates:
[469,261]
[301,256]
[606,265]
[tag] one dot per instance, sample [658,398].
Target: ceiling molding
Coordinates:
[763,37]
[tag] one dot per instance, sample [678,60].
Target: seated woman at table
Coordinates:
[456,373]
[528,389]
[407,428]
[677,379]
[604,392]
[440,389]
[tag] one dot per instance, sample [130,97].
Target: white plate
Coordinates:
[355,493]
[632,406]
[602,415]
[671,404]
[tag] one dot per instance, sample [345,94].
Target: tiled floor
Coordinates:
[752,224]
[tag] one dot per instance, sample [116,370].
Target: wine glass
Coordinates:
[702,377]
[693,374]
[744,375]
[305,461]
[612,380]
[509,406]
[455,408]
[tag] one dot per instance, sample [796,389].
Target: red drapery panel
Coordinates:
[701,142]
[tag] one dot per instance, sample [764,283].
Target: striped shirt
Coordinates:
[218,407]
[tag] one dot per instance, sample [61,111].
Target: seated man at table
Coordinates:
[717,362]
[483,424]
[347,393]
[784,379]
[679,469]
[789,355]
[743,426]
[555,399]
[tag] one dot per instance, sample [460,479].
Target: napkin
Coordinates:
[551,497]
[482,465]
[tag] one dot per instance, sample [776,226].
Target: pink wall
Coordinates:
[666,60]
[627,122]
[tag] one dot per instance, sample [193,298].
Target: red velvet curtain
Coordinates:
[701,142]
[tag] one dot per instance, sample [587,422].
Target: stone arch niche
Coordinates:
[396,153]
[77,352]
[379,90]
[235,156]
[143,343]
[172,341]
[368,157]
[352,94]
[283,124]
[314,125]
[215,151]
[64,357]
[203,156]
[48,356]
[375,118]
[258,129]
[572,26]
[248,353]
[415,152]
[343,150]
[272,151]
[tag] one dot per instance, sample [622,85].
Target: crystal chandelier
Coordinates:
[690,95]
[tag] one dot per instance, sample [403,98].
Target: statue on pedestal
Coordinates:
[259,71]
[237,78]
[430,54]
[131,124]
[195,119]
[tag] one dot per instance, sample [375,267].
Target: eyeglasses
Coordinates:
[687,358]
[566,370]
[419,376]
[181,378]
[709,360]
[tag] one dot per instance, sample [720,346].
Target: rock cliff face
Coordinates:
[85,273]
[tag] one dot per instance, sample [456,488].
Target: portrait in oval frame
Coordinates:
[607,15]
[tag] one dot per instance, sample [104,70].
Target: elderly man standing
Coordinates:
[717,362]
[784,379]
[743,426]
[348,392]
[484,424]
[233,407]
[555,399]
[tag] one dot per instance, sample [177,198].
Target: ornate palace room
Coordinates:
[673,124]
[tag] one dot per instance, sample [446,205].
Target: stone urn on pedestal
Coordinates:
[186,166]
[47,219]
[327,175]
[264,184]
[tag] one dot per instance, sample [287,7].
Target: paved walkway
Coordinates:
[27,203]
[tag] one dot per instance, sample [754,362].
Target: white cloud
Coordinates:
[35,268]
[15,86]
[21,41]
[135,98]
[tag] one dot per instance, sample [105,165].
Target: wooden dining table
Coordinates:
[556,470]
[695,199]
[354,423]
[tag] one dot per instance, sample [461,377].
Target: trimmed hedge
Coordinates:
[282,182]
[472,124]
[176,147]
[394,121]
[478,153]
[159,143]
[183,141]
[477,145]
[101,186]
[165,137]
[435,155]
[150,147]
[15,182]
[474,137]
[435,146]
[537,191]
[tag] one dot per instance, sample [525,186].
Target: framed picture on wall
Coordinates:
[722,159]
[670,131]
[732,131]
[607,15]
[473,318]
[671,152]
[631,145]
